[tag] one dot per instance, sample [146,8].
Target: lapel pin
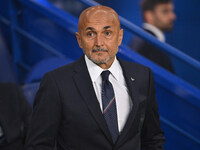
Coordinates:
[132,79]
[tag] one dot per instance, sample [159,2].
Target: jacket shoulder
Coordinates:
[63,70]
[133,66]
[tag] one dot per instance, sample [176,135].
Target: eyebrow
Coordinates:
[91,28]
[107,27]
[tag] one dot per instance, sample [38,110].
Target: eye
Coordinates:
[90,34]
[107,33]
[165,11]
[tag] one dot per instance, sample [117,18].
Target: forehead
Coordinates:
[98,19]
[165,6]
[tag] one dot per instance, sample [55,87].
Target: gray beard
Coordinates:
[99,62]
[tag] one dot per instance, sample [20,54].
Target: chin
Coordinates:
[100,60]
[167,29]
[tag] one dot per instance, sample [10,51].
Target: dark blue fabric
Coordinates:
[109,105]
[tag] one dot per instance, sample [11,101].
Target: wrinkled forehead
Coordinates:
[98,14]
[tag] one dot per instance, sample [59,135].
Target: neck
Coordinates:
[158,33]
[105,65]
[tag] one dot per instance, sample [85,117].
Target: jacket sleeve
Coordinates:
[46,116]
[152,137]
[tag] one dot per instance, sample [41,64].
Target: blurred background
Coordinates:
[37,36]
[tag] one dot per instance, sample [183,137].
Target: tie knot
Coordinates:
[105,75]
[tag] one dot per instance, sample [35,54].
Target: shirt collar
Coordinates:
[95,71]
[158,33]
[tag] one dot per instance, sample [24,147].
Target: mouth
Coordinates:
[99,50]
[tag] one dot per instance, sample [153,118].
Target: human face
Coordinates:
[164,16]
[99,36]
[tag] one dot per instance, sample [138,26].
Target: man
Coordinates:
[159,17]
[83,106]
[15,114]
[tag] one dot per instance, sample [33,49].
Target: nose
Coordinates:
[99,40]
[173,15]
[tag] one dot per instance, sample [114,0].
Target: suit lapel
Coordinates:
[130,79]
[150,32]
[84,84]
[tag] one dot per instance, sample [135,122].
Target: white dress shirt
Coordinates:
[123,99]
[158,33]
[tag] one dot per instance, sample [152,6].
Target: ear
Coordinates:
[78,39]
[121,32]
[149,17]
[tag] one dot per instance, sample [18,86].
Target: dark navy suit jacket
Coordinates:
[67,112]
[151,52]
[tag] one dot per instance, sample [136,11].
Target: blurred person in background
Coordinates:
[159,17]
[15,114]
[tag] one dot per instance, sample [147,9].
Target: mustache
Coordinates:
[99,49]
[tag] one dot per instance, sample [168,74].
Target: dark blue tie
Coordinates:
[109,105]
